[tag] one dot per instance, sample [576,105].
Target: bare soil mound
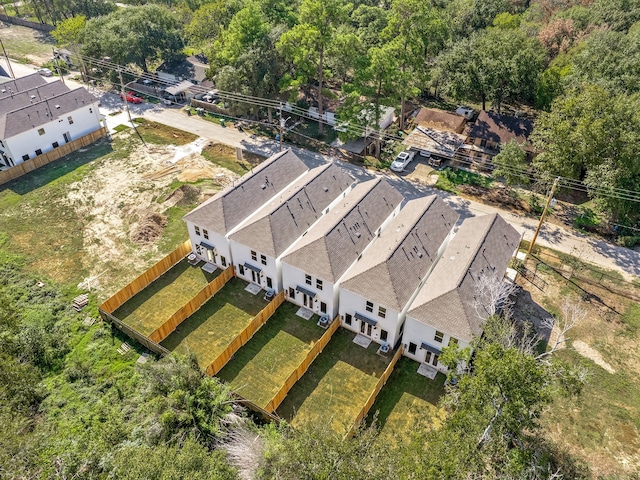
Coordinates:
[148,229]
[183,195]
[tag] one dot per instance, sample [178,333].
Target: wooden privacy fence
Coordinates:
[139,283]
[26,23]
[194,304]
[133,333]
[372,398]
[244,336]
[48,157]
[303,367]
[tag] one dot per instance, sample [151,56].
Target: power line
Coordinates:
[354,130]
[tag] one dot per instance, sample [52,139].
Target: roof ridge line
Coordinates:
[480,242]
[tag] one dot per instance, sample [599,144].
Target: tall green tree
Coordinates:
[138,35]
[306,44]
[497,65]
[511,164]
[592,135]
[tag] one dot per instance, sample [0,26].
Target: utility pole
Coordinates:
[7,59]
[544,214]
[55,61]
[124,96]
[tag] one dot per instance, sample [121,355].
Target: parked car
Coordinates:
[45,72]
[402,160]
[466,112]
[131,97]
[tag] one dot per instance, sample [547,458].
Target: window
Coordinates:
[427,357]
[307,279]
[383,335]
[205,233]
[254,255]
[223,260]
[197,229]
[55,145]
[41,131]
[263,259]
[453,342]
[435,361]
[38,152]
[369,307]
[323,307]
[382,312]
[241,269]
[198,249]
[25,157]
[412,348]
[438,336]
[318,284]
[483,143]
[292,293]
[269,282]
[348,319]
[70,120]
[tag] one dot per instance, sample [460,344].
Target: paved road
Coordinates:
[602,253]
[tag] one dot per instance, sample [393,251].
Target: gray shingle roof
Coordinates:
[482,245]
[21,84]
[43,112]
[392,269]
[228,208]
[340,236]
[9,103]
[279,224]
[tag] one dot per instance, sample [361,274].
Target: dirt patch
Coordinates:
[183,195]
[120,202]
[592,354]
[148,229]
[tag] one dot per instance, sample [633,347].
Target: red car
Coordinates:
[132,98]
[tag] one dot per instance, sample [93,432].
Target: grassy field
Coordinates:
[407,402]
[27,44]
[150,308]
[209,331]
[601,427]
[225,156]
[336,386]
[260,368]
[451,178]
[160,134]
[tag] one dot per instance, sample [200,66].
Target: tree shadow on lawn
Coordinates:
[283,320]
[53,171]
[231,294]
[405,379]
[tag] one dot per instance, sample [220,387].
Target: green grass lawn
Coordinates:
[225,156]
[21,42]
[451,178]
[260,368]
[153,306]
[209,331]
[160,134]
[336,386]
[407,402]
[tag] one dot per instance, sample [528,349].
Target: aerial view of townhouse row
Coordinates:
[318,239]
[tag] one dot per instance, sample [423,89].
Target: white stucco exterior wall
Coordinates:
[417,332]
[241,254]
[85,120]
[292,277]
[216,240]
[350,303]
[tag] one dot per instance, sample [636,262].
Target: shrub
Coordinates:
[628,241]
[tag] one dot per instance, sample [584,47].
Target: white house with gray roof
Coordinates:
[211,223]
[312,269]
[37,117]
[257,246]
[448,309]
[377,291]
